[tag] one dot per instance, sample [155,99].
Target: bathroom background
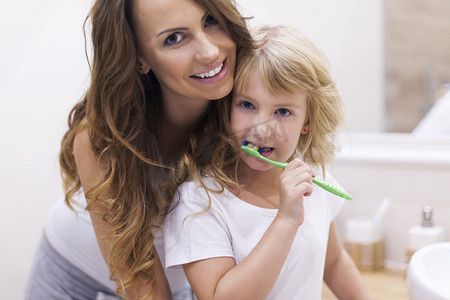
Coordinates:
[390,59]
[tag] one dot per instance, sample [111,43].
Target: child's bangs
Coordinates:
[276,76]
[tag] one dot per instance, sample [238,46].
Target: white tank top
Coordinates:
[73,236]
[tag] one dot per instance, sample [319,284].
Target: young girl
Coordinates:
[273,235]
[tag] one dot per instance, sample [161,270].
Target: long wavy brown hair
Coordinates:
[120,111]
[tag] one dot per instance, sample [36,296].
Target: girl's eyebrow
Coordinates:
[245,96]
[288,105]
[278,105]
[181,28]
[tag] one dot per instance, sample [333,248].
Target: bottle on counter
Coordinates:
[364,242]
[364,239]
[424,234]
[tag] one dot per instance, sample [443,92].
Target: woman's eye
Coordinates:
[283,112]
[247,105]
[174,38]
[210,20]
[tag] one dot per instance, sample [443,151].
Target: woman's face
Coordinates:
[188,51]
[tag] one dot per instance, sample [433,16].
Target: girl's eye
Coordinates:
[210,20]
[247,105]
[174,38]
[283,112]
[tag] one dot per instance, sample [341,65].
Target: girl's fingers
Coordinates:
[303,189]
[297,172]
[296,180]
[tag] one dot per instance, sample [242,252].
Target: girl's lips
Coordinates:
[216,78]
[264,151]
[267,153]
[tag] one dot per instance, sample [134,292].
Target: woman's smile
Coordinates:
[212,74]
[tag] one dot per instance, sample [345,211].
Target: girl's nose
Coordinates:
[208,50]
[265,129]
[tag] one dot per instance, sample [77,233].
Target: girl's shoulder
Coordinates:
[200,186]
[335,203]
[201,192]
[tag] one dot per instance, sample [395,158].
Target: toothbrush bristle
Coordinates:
[254,147]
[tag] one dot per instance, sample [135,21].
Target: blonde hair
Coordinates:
[120,111]
[288,62]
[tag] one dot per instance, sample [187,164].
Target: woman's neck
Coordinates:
[182,115]
[177,120]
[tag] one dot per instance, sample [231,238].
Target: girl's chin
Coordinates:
[258,165]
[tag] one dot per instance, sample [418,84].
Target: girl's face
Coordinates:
[185,47]
[273,123]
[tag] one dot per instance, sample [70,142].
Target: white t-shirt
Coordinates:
[73,236]
[232,228]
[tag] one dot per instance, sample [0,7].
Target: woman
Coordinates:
[146,117]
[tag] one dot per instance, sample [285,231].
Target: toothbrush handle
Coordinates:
[273,162]
[331,188]
[320,182]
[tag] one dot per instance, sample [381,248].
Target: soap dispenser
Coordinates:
[425,233]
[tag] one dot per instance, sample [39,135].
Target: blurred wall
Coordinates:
[417,59]
[43,73]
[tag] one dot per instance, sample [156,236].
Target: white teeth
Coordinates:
[210,73]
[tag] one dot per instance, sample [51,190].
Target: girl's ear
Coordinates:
[305,128]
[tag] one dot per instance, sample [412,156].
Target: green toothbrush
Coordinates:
[253,151]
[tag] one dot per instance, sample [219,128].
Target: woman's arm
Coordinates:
[255,276]
[89,172]
[341,274]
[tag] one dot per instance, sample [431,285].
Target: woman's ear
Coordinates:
[143,67]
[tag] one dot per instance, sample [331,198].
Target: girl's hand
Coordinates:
[295,182]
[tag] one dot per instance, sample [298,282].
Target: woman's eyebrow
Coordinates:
[181,28]
[204,16]
[172,30]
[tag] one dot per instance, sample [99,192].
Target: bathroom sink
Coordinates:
[428,274]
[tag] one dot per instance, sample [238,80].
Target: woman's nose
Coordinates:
[207,50]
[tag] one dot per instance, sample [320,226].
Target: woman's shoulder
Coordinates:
[82,149]
[81,139]
[81,142]
[88,167]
